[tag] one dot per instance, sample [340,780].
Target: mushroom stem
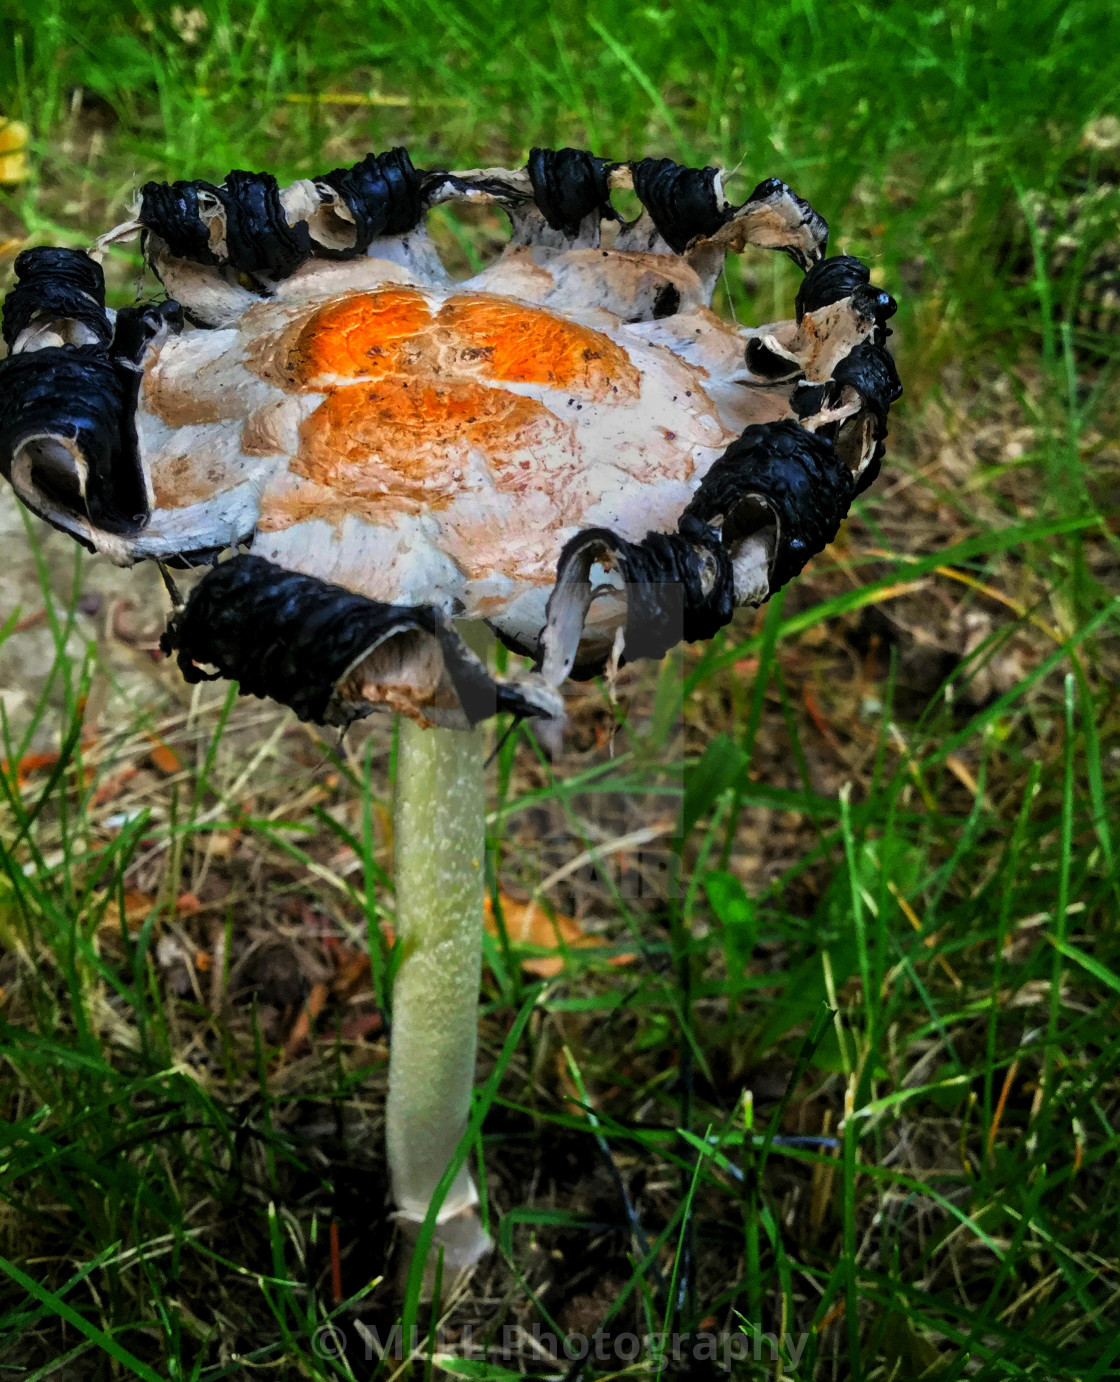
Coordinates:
[439,856]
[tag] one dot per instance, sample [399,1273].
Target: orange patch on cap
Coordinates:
[411,394]
[409,438]
[357,337]
[391,331]
[516,344]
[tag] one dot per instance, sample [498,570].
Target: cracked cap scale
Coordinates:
[570,445]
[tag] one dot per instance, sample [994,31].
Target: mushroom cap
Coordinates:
[551,446]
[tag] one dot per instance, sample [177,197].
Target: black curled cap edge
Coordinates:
[259,240]
[768,365]
[845,276]
[568,185]
[74,267]
[829,281]
[56,285]
[772,190]
[136,328]
[382,194]
[681,201]
[870,370]
[769,189]
[170,210]
[67,400]
[793,473]
[293,638]
[678,586]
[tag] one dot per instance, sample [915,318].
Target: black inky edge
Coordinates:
[845,276]
[797,474]
[681,201]
[678,585]
[774,189]
[56,285]
[137,327]
[767,364]
[291,638]
[259,240]
[76,393]
[170,210]
[870,370]
[568,185]
[382,193]
[829,281]
[85,395]
[681,585]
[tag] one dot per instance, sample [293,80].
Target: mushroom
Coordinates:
[570,447]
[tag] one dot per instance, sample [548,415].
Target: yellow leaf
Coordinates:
[528,924]
[13,152]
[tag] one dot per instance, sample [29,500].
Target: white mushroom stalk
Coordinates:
[439,853]
[570,446]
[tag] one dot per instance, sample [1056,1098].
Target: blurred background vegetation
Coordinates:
[899,782]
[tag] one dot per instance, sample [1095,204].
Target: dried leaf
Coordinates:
[164,757]
[301,1027]
[30,763]
[137,905]
[823,728]
[37,762]
[353,972]
[962,773]
[528,924]
[360,1026]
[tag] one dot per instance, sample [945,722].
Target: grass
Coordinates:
[858,1085]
